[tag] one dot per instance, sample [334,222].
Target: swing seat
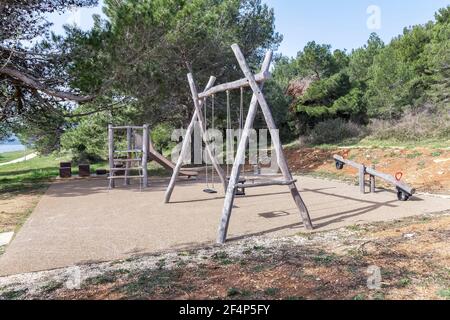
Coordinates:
[240,189]
[208,190]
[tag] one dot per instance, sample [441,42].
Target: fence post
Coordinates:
[372,181]
[111,155]
[362,182]
[145,150]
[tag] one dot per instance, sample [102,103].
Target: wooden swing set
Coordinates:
[233,182]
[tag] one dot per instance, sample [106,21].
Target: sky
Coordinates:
[345,24]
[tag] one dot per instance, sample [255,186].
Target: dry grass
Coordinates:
[412,127]
[413,256]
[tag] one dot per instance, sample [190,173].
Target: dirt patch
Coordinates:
[427,170]
[411,255]
[15,208]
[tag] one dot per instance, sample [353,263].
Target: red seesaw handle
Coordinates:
[398,176]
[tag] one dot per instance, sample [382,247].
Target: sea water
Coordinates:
[11,144]
[11,147]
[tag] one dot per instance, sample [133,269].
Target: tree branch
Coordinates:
[30,82]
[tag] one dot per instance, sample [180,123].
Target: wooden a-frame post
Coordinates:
[198,116]
[257,98]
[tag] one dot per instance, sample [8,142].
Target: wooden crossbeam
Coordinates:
[127,127]
[265,184]
[241,83]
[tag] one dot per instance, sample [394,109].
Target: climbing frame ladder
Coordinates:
[136,156]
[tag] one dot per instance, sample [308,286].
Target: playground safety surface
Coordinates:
[81,221]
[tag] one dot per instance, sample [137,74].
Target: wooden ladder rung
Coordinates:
[126,127]
[125,177]
[126,169]
[266,184]
[128,151]
[127,160]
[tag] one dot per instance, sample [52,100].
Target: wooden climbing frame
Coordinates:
[136,157]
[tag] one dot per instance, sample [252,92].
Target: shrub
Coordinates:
[161,136]
[412,127]
[87,140]
[333,131]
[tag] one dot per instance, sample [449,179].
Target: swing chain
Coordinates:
[212,125]
[205,128]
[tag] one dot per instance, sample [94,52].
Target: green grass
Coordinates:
[148,282]
[436,154]
[429,143]
[354,227]
[370,142]
[28,175]
[421,165]
[413,155]
[51,286]
[222,258]
[360,296]
[13,294]
[294,298]
[33,174]
[271,291]
[324,259]
[8,156]
[404,282]
[232,292]
[444,293]
[377,143]
[104,278]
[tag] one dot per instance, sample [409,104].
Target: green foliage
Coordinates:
[34,173]
[12,155]
[361,59]
[87,140]
[146,48]
[161,136]
[279,103]
[142,54]
[135,64]
[412,127]
[33,72]
[317,60]
[333,131]
[232,292]
[407,78]
[444,293]
[324,92]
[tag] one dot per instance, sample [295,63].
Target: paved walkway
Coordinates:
[21,159]
[80,221]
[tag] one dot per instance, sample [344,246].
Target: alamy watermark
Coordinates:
[223,145]
[374,278]
[73,281]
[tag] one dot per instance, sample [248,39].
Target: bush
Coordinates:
[334,131]
[161,136]
[412,127]
[87,141]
